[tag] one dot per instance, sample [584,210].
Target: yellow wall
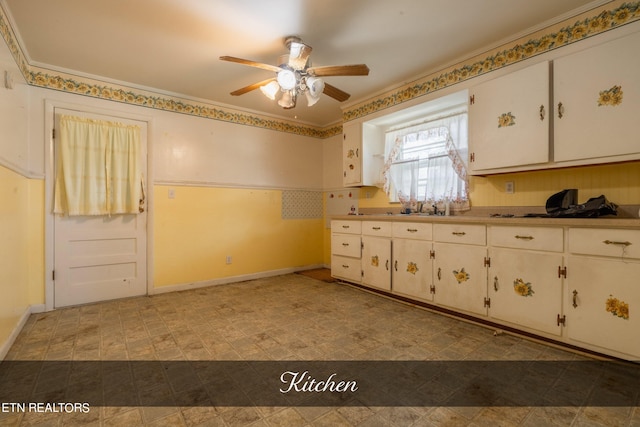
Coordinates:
[620,183]
[195,231]
[14,250]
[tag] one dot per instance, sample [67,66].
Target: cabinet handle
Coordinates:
[386,265]
[542,113]
[375,228]
[395,265]
[412,230]
[439,273]
[612,242]
[523,237]
[458,233]
[346,226]
[495,283]
[345,266]
[345,244]
[575,298]
[560,110]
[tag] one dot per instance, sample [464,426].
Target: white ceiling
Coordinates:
[173,45]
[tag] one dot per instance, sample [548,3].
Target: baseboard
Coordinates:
[4,348]
[233,279]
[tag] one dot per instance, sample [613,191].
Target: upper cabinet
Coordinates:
[362,154]
[509,120]
[597,99]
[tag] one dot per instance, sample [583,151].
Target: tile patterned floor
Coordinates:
[289,317]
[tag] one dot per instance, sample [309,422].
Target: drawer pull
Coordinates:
[575,298]
[346,226]
[412,230]
[612,242]
[345,266]
[517,236]
[345,244]
[375,228]
[458,233]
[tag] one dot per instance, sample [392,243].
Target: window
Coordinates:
[426,163]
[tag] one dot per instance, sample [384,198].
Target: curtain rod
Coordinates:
[393,129]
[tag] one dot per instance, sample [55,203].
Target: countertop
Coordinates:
[605,221]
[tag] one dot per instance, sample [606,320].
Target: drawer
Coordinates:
[349,227]
[412,230]
[346,268]
[346,245]
[535,238]
[376,228]
[469,234]
[605,242]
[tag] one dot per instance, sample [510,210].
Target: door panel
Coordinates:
[99,258]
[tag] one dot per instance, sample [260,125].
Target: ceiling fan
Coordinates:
[295,76]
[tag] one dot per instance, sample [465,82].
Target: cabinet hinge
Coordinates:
[487,302]
[432,289]
[472,157]
[562,272]
[562,320]
[472,99]
[53,133]
[487,261]
[361,273]
[432,254]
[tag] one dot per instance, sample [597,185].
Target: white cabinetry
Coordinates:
[525,277]
[376,254]
[460,274]
[509,120]
[362,154]
[345,250]
[412,264]
[603,296]
[597,97]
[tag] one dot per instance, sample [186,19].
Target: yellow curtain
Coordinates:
[97,168]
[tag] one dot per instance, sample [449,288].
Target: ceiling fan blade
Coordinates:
[339,70]
[254,86]
[299,55]
[251,63]
[335,93]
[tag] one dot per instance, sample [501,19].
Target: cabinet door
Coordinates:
[352,154]
[525,289]
[603,302]
[509,120]
[376,262]
[412,268]
[597,96]
[460,277]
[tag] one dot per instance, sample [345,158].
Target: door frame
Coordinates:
[49,168]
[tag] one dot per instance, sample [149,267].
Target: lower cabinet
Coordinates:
[526,276]
[412,268]
[376,262]
[525,289]
[602,295]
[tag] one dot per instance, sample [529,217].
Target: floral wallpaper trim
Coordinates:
[581,29]
[522,288]
[617,308]
[610,97]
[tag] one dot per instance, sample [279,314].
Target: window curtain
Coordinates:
[442,178]
[98,168]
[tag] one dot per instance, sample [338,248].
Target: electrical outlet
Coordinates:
[509,187]
[228,259]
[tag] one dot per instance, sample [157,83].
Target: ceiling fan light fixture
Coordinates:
[315,86]
[270,90]
[288,99]
[287,79]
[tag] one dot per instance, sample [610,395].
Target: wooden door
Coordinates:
[412,268]
[376,262]
[99,258]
